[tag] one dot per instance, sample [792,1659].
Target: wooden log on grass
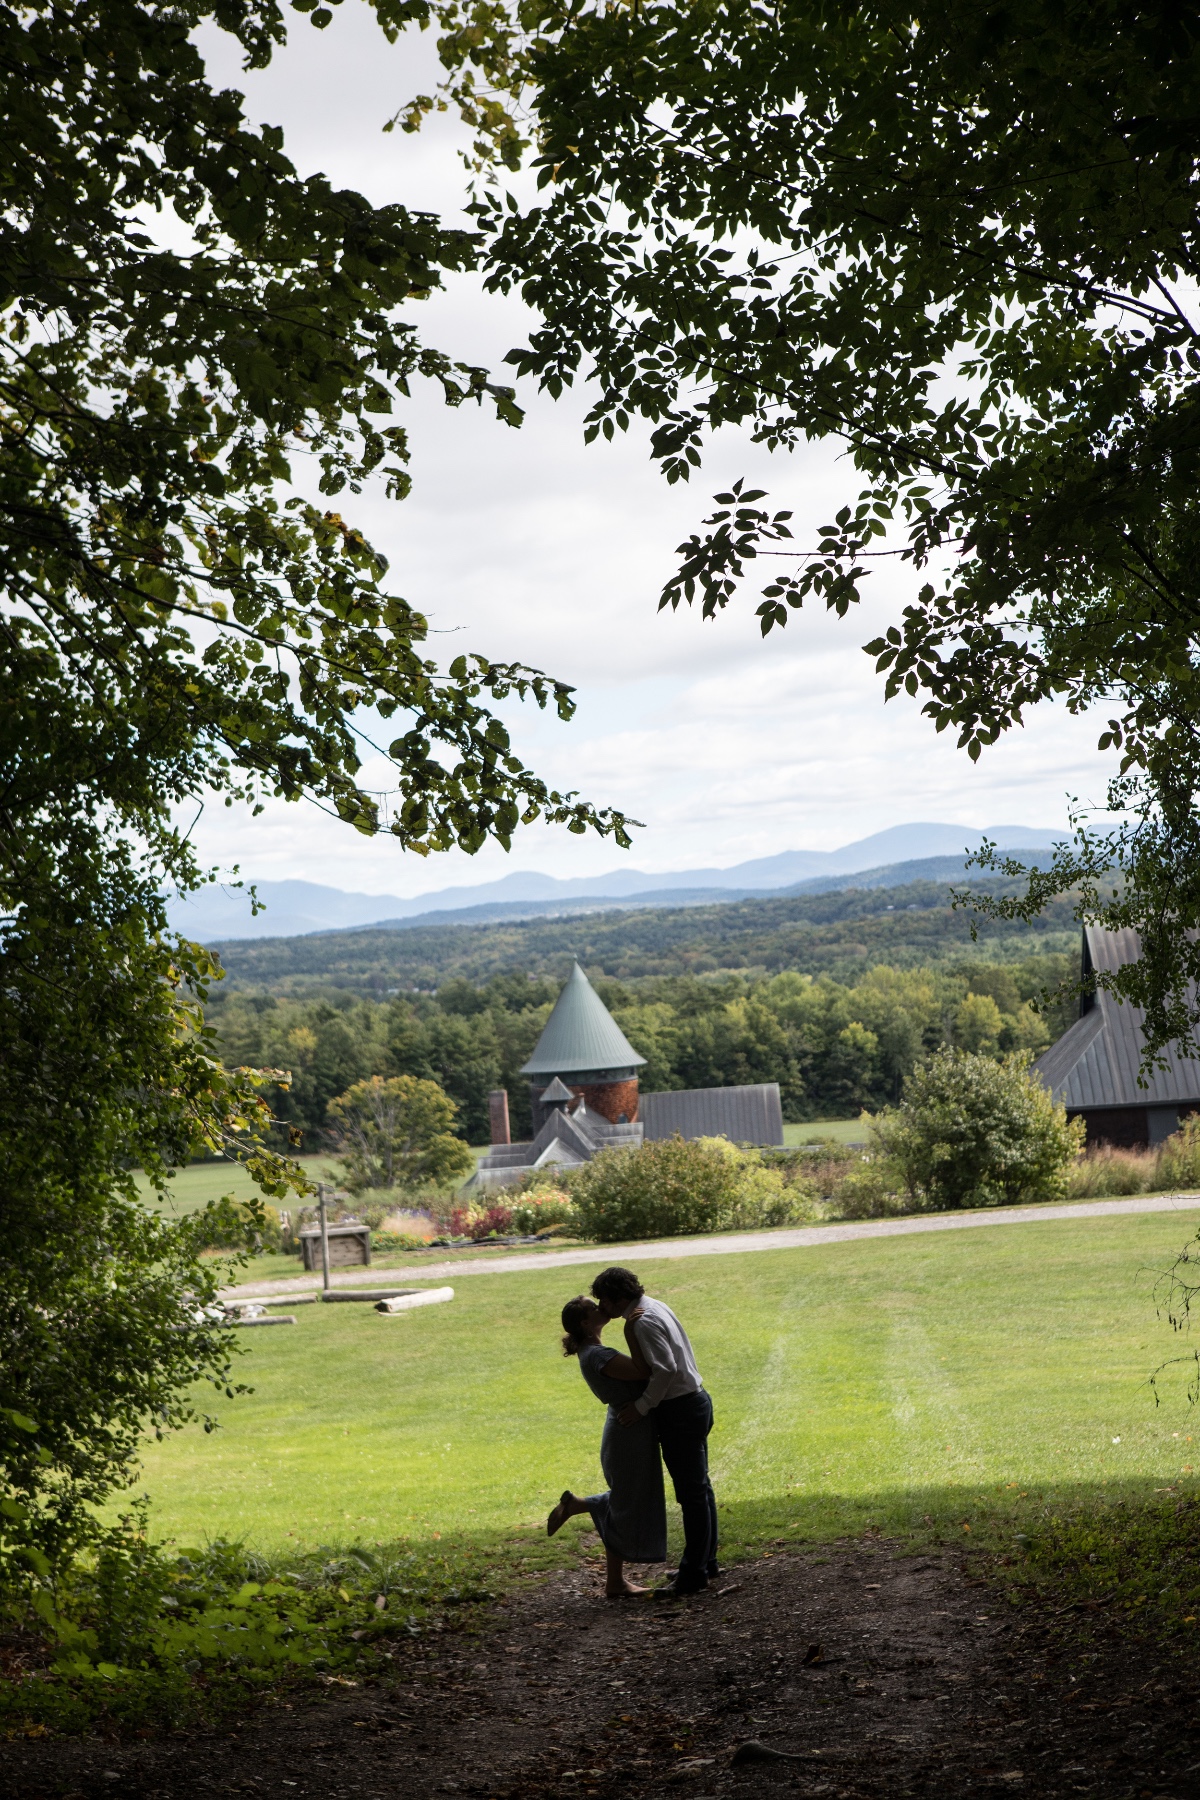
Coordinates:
[419,1297]
[372,1294]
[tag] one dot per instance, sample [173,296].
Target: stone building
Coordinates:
[585,1094]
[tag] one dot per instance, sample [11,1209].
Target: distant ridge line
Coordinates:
[294,908]
[495,912]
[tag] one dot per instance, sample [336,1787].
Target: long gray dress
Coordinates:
[632,1516]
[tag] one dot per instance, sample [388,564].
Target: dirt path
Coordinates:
[730,1244]
[883,1675]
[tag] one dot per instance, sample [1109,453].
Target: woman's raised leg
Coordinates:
[569,1504]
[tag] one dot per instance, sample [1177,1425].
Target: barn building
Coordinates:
[1093,1068]
[586,1097]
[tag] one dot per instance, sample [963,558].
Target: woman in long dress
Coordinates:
[631,1516]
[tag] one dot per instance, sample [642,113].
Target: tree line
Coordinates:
[833,1046]
[840,934]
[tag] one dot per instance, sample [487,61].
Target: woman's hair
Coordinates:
[573,1315]
[619,1287]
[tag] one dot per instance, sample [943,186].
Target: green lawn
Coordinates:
[842,1131]
[933,1380]
[199,1183]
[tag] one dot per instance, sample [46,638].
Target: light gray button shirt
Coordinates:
[668,1354]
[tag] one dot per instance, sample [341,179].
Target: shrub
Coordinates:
[545,1209]
[392,1213]
[680,1188]
[1179,1157]
[1104,1172]
[766,1197]
[973,1132]
[476,1220]
[398,1240]
[827,1167]
[869,1189]
[672,1188]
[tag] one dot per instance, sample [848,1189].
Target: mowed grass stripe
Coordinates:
[878,1382]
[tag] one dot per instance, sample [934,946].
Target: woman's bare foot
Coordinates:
[628,1590]
[566,1509]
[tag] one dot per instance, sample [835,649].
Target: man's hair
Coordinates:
[619,1287]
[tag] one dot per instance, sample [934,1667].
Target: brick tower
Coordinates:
[584,1048]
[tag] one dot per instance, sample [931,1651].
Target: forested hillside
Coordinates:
[906,982]
[841,934]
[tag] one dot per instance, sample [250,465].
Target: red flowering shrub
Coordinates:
[480,1222]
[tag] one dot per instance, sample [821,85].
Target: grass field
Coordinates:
[196,1185]
[935,1382]
[842,1131]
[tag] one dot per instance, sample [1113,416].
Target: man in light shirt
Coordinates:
[683,1414]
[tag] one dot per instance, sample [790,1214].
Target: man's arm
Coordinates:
[635,1349]
[655,1348]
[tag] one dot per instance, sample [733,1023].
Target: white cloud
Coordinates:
[528,545]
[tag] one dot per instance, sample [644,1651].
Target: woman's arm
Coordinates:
[624,1368]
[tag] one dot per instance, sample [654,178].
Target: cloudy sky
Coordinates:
[528,545]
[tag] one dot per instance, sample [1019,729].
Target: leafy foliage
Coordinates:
[1179,1157]
[155,400]
[833,1046]
[183,616]
[398,1133]
[680,1187]
[965,248]
[105,1320]
[543,1209]
[972,1132]
[523,963]
[144,1632]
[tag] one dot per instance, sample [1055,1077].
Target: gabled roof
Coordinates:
[744,1115]
[581,1035]
[556,1093]
[565,1138]
[1095,1063]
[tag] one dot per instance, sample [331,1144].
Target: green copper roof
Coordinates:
[581,1035]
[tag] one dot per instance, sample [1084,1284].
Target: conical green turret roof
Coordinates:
[581,1035]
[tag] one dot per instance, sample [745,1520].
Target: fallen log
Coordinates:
[422,1297]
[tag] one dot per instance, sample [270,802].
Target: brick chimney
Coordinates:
[498,1116]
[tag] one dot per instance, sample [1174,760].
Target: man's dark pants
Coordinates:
[683,1428]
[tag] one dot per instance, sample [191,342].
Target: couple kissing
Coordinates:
[658,1412]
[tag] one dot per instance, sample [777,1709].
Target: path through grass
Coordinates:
[895,1383]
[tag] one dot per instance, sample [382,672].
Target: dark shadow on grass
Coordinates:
[1129,1549]
[1126,1553]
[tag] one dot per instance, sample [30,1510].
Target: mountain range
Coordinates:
[887,858]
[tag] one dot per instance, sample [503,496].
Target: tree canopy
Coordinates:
[398,1134]
[963,247]
[184,610]
[202,353]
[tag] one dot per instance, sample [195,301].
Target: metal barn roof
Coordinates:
[581,1036]
[745,1115]
[1095,1062]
